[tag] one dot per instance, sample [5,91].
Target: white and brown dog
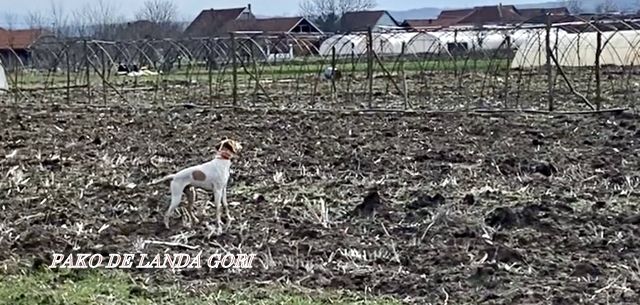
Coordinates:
[211,176]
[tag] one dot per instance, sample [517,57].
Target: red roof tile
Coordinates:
[19,39]
[492,14]
[455,14]
[445,18]
[487,15]
[279,25]
[212,21]
[425,23]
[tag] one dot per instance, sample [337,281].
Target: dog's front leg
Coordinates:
[226,205]
[217,198]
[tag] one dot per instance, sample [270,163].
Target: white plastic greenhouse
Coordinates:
[484,40]
[387,43]
[344,45]
[415,43]
[533,53]
[3,80]
[579,49]
[427,42]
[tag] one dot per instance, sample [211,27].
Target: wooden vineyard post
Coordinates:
[87,71]
[370,65]
[68,61]
[598,70]
[404,77]
[234,64]
[333,66]
[548,63]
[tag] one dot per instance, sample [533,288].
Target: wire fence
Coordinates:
[573,66]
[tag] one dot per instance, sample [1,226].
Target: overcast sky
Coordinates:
[190,8]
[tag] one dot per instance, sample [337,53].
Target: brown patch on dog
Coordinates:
[199,176]
[227,145]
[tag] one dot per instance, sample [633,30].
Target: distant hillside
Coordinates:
[433,12]
[550,4]
[587,6]
[420,13]
[622,5]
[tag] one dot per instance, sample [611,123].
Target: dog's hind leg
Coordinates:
[177,188]
[190,192]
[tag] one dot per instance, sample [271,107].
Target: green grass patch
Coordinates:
[116,287]
[280,70]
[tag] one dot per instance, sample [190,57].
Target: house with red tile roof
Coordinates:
[286,25]
[445,19]
[492,15]
[486,15]
[19,39]
[17,44]
[219,22]
[216,22]
[453,16]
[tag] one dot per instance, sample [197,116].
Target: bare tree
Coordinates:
[35,20]
[326,13]
[574,6]
[158,11]
[58,18]
[606,6]
[100,19]
[156,19]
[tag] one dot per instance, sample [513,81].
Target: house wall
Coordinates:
[385,21]
[246,15]
[304,27]
[10,61]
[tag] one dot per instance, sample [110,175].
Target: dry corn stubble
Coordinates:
[550,196]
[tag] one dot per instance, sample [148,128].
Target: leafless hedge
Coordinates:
[573,66]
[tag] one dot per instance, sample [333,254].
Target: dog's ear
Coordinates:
[237,146]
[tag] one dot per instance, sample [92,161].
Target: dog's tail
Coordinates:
[163,179]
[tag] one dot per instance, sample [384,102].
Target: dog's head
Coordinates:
[230,145]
